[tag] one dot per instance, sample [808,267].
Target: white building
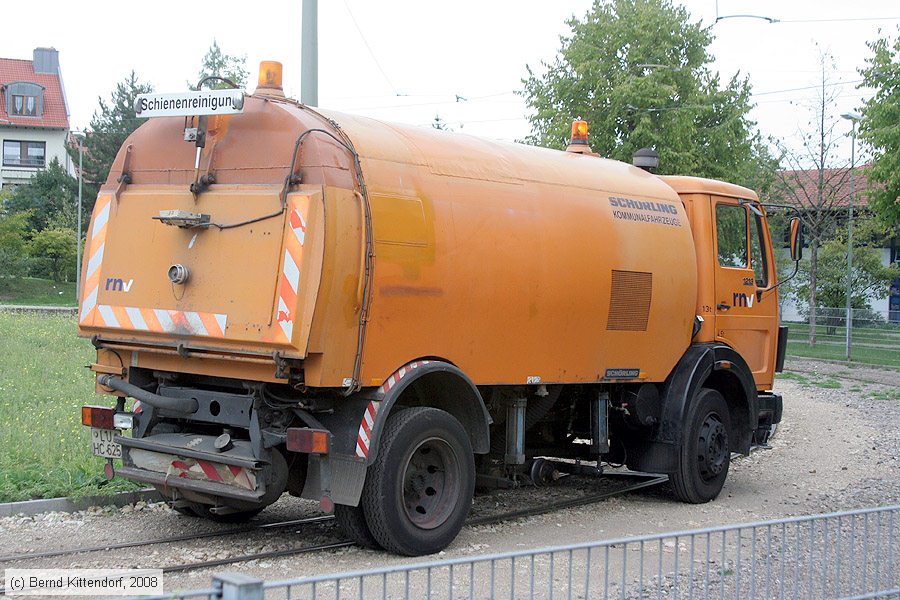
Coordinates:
[34,116]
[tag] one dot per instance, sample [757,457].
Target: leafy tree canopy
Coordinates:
[638,72]
[13,228]
[879,127]
[870,278]
[218,64]
[49,199]
[57,248]
[109,128]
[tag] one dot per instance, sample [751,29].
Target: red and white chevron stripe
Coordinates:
[94,249]
[364,437]
[290,270]
[160,320]
[399,374]
[367,425]
[190,468]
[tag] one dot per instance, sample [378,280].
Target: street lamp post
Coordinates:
[75,134]
[853,117]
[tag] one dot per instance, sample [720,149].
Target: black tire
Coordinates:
[352,522]
[419,489]
[705,453]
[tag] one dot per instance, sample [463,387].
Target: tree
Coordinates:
[109,128]
[879,129]
[816,182]
[870,278]
[440,124]
[638,72]
[58,248]
[13,255]
[218,64]
[48,199]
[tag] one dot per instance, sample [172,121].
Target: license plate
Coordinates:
[103,445]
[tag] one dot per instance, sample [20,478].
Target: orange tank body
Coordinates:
[505,260]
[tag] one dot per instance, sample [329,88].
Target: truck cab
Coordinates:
[736,284]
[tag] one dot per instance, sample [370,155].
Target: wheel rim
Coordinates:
[712,447]
[431,484]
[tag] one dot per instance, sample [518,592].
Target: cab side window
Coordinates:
[758,253]
[731,235]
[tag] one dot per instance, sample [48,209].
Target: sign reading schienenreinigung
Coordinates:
[190,104]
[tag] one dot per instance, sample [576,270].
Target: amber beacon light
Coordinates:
[269,75]
[579,132]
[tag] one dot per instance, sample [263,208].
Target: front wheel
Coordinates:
[419,489]
[705,453]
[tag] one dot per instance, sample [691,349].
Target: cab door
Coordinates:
[746,319]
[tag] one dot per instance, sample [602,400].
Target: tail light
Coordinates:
[308,441]
[99,417]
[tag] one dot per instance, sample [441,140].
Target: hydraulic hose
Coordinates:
[180,405]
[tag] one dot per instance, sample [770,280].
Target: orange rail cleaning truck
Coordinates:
[378,317]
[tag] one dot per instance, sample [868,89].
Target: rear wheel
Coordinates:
[353,523]
[705,452]
[419,489]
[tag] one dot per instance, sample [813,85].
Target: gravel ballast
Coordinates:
[836,449]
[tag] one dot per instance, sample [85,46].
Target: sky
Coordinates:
[409,61]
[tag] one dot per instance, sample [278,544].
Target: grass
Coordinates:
[882,333]
[890,394]
[791,375]
[831,384]
[36,292]
[44,450]
[888,357]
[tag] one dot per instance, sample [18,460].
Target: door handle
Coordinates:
[723,306]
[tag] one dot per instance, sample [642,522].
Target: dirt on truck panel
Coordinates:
[383,317]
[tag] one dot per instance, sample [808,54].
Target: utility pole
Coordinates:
[75,135]
[853,117]
[309,57]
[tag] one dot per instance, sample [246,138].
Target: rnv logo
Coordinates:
[739,299]
[115,284]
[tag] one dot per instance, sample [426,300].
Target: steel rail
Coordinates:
[168,540]
[647,480]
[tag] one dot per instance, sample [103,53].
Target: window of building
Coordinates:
[25,106]
[24,99]
[18,153]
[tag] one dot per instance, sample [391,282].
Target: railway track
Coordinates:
[641,481]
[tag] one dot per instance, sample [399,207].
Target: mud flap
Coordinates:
[338,476]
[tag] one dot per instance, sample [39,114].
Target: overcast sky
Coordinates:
[406,60]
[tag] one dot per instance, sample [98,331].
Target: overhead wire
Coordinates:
[371,52]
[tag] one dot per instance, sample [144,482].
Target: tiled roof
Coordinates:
[837,187]
[14,69]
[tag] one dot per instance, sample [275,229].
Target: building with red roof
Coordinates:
[34,115]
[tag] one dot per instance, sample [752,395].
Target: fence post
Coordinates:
[237,586]
[849,328]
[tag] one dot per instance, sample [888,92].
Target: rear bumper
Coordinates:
[189,462]
[209,488]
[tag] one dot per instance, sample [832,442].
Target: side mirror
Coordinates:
[796,239]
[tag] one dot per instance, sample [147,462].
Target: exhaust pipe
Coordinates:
[179,405]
